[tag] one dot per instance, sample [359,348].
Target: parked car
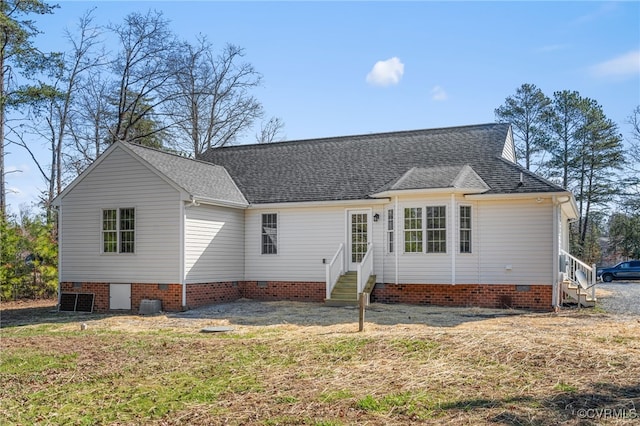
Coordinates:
[629,270]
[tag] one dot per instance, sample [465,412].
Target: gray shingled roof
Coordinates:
[356,167]
[462,177]
[199,179]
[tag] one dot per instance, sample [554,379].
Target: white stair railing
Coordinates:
[365,268]
[334,269]
[573,264]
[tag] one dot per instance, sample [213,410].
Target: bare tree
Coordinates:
[271,131]
[89,122]
[212,104]
[144,68]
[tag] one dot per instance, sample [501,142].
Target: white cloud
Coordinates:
[620,66]
[386,73]
[439,94]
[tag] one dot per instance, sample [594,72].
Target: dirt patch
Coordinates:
[26,311]
[305,363]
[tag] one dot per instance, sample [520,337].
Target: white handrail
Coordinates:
[365,268]
[334,269]
[574,264]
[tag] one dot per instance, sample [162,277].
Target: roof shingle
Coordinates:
[356,167]
[200,179]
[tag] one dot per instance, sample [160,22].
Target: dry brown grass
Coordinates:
[295,363]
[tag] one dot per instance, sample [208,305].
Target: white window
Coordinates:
[390,230]
[436,229]
[413,230]
[270,233]
[465,229]
[119,230]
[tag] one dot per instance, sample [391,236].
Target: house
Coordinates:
[438,216]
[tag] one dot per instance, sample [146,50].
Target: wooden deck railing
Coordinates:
[573,264]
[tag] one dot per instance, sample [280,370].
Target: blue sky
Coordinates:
[340,68]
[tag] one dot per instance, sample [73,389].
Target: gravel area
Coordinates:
[620,297]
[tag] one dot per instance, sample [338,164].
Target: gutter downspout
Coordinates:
[557,218]
[59,208]
[453,239]
[396,233]
[183,222]
[555,292]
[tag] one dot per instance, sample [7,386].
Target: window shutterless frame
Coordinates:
[465,228]
[118,234]
[413,230]
[436,225]
[269,233]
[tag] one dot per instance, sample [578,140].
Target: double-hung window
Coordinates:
[390,234]
[436,229]
[119,230]
[270,233]
[413,230]
[465,229]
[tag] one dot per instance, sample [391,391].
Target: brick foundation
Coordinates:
[203,293]
[170,294]
[534,297]
[209,293]
[284,290]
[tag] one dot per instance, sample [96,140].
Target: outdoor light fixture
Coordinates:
[376,217]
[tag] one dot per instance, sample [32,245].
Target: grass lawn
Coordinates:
[479,368]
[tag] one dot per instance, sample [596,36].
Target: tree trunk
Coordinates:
[3,202]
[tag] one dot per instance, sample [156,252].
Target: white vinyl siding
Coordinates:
[306,236]
[515,234]
[214,244]
[508,150]
[515,239]
[121,181]
[418,267]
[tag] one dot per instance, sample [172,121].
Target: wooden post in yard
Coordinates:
[361,303]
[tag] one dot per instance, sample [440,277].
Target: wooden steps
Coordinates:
[345,291]
[574,293]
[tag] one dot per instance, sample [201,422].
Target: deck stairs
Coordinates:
[573,293]
[345,291]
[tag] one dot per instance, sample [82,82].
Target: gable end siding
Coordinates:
[121,181]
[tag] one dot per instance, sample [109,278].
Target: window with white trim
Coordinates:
[436,229]
[465,229]
[390,240]
[119,230]
[270,233]
[413,230]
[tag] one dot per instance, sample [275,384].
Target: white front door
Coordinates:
[119,296]
[358,236]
